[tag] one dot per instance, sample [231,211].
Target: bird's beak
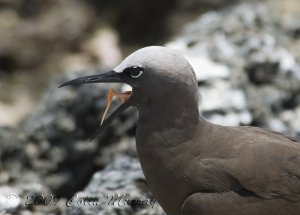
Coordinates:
[109,77]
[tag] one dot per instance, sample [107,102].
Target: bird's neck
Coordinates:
[162,131]
[171,120]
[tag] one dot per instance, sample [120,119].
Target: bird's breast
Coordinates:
[162,169]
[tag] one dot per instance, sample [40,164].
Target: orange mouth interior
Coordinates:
[111,93]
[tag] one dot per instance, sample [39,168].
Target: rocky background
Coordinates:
[246,56]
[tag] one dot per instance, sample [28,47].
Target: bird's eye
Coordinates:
[135,72]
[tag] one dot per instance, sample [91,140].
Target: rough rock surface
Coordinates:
[247,65]
[109,192]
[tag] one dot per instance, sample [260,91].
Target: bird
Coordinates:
[193,166]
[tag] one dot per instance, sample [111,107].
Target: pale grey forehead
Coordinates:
[148,56]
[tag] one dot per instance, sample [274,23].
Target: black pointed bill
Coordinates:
[109,77]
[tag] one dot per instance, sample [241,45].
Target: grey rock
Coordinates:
[263,79]
[9,200]
[120,188]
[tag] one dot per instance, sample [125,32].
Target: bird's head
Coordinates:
[155,74]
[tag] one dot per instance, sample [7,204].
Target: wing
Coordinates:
[268,164]
[230,203]
[271,134]
[247,171]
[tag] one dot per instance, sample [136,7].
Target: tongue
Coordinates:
[111,93]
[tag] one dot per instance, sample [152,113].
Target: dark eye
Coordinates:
[135,71]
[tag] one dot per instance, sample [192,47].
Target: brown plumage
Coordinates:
[192,166]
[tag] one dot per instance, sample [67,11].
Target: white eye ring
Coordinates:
[138,75]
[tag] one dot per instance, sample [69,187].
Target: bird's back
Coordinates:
[262,165]
[268,163]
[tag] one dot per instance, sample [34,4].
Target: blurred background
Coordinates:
[246,55]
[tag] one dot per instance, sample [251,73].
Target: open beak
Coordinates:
[109,77]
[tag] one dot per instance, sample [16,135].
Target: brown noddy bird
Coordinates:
[192,166]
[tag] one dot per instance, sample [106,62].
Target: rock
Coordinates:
[104,47]
[109,192]
[263,78]
[9,200]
